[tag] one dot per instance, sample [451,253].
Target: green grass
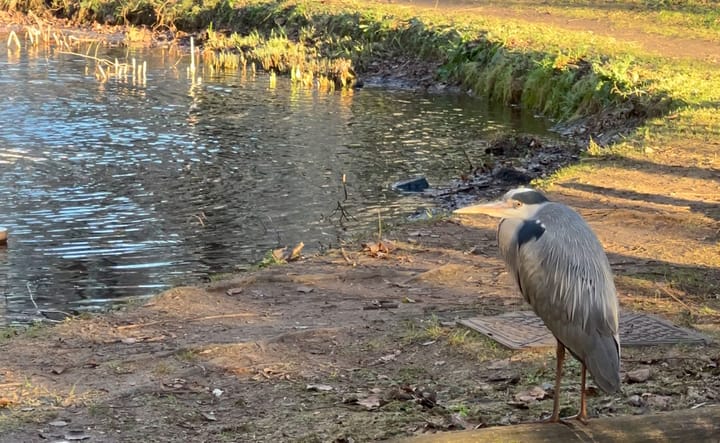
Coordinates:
[696,19]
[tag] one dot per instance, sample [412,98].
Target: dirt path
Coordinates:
[679,47]
[359,348]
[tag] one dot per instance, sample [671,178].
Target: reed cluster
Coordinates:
[279,54]
[42,36]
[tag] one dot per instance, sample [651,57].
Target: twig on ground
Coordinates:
[346,257]
[675,297]
[32,298]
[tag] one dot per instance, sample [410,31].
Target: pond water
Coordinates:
[112,191]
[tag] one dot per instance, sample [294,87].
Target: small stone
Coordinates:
[635,400]
[319,387]
[638,375]
[661,402]
[209,416]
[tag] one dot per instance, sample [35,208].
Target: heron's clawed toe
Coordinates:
[552,418]
[582,418]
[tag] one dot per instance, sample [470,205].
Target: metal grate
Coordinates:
[524,329]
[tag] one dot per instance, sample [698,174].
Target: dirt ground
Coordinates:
[349,346]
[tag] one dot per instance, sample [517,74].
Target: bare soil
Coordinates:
[359,346]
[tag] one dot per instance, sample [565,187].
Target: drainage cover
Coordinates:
[524,329]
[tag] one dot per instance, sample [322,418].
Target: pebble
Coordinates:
[635,400]
[638,375]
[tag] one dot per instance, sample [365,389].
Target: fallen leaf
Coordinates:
[398,394]
[76,436]
[498,364]
[389,357]
[279,254]
[58,370]
[5,402]
[305,289]
[295,253]
[129,340]
[58,423]
[457,421]
[210,416]
[379,249]
[635,400]
[638,375]
[217,392]
[370,402]
[319,388]
[234,291]
[661,402]
[283,255]
[532,395]
[518,404]
[381,304]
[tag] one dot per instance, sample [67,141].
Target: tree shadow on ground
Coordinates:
[709,209]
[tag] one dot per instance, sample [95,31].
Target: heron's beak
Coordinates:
[500,208]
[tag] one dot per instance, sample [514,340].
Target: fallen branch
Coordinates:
[346,257]
[675,297]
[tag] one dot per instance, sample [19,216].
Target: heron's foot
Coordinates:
[550,419]
[582,418]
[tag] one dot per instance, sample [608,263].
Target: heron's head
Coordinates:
[517,203]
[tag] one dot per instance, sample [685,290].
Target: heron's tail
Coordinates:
[603,362]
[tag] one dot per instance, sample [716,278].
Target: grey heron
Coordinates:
[562,271]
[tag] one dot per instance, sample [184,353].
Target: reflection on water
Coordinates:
[112,191]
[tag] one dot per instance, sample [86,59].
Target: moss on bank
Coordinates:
[562,74]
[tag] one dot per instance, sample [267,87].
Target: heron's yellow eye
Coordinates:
[517,204]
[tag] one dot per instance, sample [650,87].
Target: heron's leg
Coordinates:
[582,415]
[560,356]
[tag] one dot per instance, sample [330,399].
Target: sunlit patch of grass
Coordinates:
[135,35]
[187,355]
[162,368]
[270,259]
[22,393]
[459,338]
[20,418]
[36,329]
[563,174]
[688,19]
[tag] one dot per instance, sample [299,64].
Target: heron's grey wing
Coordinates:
[565,276]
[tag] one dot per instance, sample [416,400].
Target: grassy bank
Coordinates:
[560,73]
